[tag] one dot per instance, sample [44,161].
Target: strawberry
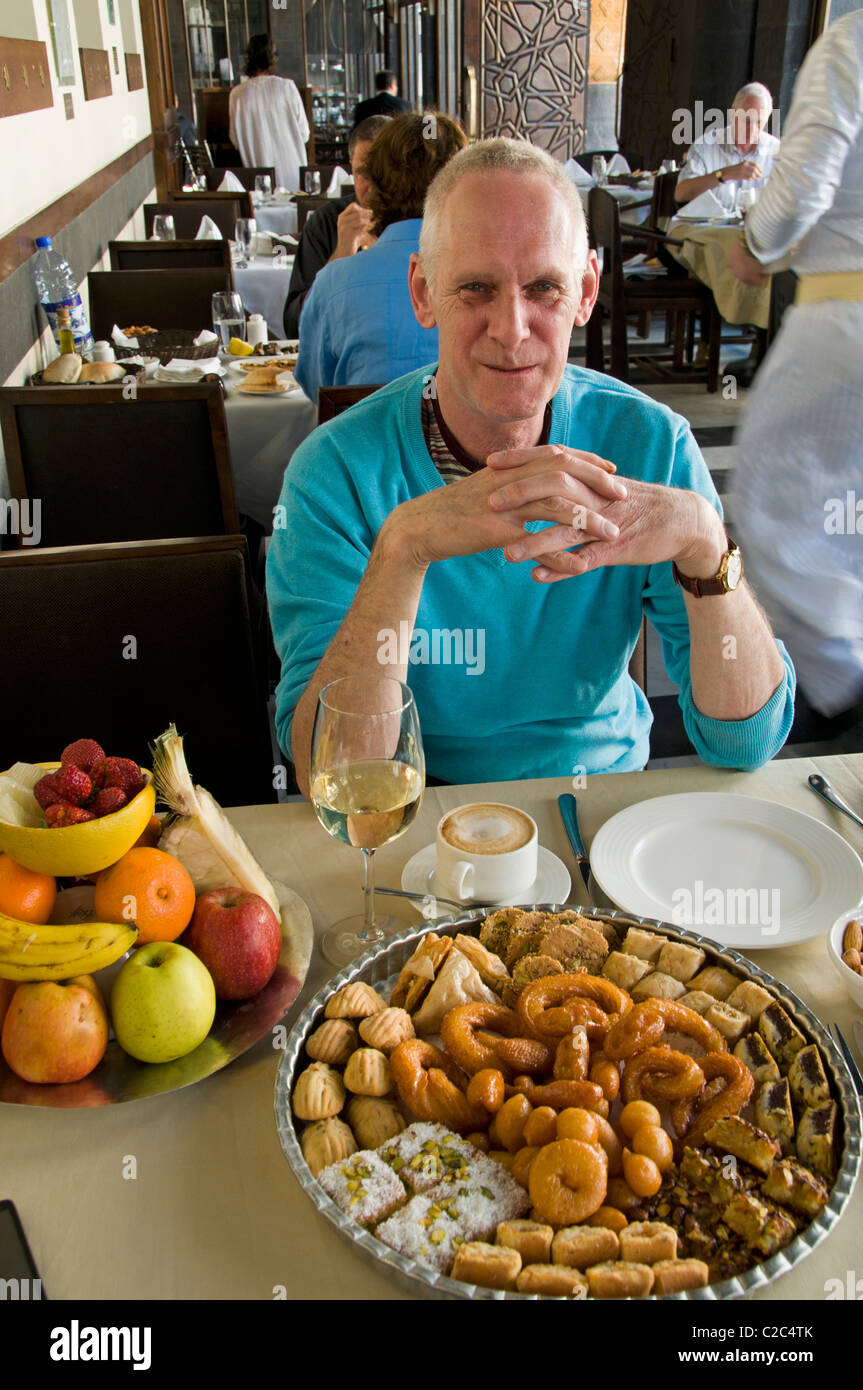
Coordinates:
[107,800]
[83,753]
[61,813]
[72,785]
[118,772]
[45,790]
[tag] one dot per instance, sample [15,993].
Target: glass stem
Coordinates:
[369,926]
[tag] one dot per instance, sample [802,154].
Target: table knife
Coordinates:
[848,1055]
[569,816]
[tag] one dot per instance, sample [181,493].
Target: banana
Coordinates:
[29,952]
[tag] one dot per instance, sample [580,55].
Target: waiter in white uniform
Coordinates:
[798,485]
[268,120]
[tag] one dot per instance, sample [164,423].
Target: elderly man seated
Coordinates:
[741,155]
[533,509]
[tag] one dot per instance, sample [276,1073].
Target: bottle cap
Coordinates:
[43,241]
[256,318]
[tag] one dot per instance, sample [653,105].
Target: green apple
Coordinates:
[163,1002]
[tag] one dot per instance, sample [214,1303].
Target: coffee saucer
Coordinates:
[551,885]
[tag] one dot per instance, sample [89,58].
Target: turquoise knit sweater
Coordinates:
[512,678]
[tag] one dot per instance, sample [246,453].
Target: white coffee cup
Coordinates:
[486,852]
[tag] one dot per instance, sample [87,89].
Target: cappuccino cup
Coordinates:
[486,852]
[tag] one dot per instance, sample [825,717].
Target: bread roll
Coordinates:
[102,372]
[64,370]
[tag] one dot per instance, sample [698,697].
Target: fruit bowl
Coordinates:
[72,851]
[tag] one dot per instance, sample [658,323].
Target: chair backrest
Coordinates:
[108,468]
[332,400]
[246,176]
[603,221]
[326,172]
[783,288]
[161,298]
[188,215]
[207,195]
[663,204]
[307,203]
[145,634]
[170,255]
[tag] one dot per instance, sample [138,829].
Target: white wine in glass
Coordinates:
[367,779]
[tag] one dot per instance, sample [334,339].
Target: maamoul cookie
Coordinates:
[333,1042]
[319,1092]
[356,1000]
[386,1029]
[368,1073]
[326,1142]
[374,1120]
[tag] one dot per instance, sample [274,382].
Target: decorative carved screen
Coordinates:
[534,72]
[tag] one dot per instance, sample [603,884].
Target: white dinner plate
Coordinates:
[749,873]
[551,885]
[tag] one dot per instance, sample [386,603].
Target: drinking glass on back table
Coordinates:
[264,187]
[599,170]
[312,179]
[229,317]
[163,228]
[367,781]
[245,230]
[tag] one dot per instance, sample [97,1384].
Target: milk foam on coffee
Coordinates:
[486,828]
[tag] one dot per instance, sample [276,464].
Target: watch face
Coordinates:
[734,569]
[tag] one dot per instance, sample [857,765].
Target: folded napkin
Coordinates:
[206,336]
[339,177]
[231,184]
[579,176]
[208,231]
[119,339]
[706,205]
[618,165]
[180,369]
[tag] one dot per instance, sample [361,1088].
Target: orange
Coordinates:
[25,894]
[150,835]
[149,888]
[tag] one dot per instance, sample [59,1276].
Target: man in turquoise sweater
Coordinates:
[491,528]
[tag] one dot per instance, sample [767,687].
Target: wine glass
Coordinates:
[163,228]
[229,317]
[367,778]
[264,187]
[245,231]
[599,170]
[312,180]
[746,199]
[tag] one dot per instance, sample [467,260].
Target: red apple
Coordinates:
[55,1032]
[238,937]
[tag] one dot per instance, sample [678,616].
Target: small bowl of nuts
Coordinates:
[845,945]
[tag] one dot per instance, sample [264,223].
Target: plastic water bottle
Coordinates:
[56,287]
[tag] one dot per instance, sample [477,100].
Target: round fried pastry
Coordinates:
[567,1181]
[482,1036]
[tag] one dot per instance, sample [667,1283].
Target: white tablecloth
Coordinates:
[263,288]
[263,432]
[279,218]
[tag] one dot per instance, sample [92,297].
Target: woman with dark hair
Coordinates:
[358,326]
[268,121]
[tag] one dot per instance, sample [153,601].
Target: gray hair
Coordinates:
[506,156]
[755,89]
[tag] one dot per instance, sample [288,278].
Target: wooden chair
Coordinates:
[170,255]
[620,296]
[162,298]
[206,195]
[125,639]
[332,400]
[246,176]
[106,468]
[188,215]
[307,203]
[663,205]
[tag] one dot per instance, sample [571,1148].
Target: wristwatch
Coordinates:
[725,581]
[719,178]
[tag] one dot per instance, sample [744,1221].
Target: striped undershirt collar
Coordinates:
[447,455]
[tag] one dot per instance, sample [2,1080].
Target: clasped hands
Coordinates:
[609,520]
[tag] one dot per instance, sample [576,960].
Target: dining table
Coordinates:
[263,432]
[277,216]
[262,283]
[188,1194]
[705,253]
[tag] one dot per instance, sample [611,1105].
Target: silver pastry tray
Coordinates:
[380,967]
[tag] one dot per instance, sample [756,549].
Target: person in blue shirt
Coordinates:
[357,326]
[491,528]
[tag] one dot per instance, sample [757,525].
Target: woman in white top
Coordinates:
[268,122]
